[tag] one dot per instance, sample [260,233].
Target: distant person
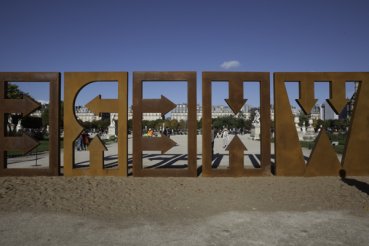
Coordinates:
[168,132]
[212,140]
[79,143]
[85,140]
[150,132]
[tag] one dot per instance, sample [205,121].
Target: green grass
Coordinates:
[339,149]
[307,144]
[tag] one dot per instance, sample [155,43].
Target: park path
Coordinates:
[177,156]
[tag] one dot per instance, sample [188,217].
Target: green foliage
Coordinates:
[232,122]
[45,111]
[199,124]
[182,124]
[333,137]
[45,115]
[303,118]
[158,124]
[153,124]
[338,137]
[113,138]
[99,125]
[307,144]
[339,149]
[130,124]
[173,124]
[339,125]
[13,92]
[102,124]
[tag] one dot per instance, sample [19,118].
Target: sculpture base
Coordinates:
[255,133]
[111,131]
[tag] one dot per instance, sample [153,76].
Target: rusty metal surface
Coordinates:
[330,163]
[236,101]
[323,160]
[96,149]
[27,106]
[163,106]
[74,82]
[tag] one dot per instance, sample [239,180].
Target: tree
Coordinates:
[101,125]
[248,125]
[173,124]
[45,115]
[45,109]
[241,115]
[130,125]
[182,124]
[13,92]
[303,118]
[252,112]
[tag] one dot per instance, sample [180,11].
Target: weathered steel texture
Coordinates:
[98,105]
[323,160]
[236,148]
[331,163]
[96,149]
[162,144]
[144,143]
[164,105]
[26,106]
[356,156]
[74,82]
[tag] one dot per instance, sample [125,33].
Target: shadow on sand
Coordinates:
[361,186]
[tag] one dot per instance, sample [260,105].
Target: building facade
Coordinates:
[145,116]
[85,115]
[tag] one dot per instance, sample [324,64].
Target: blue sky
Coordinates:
[267,36]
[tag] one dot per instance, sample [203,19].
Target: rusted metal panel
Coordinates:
[27,106]
[323,160]
[236,101]
[163,106]
[74,82]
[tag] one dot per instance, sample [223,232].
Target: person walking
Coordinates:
[85,140]
[212,140]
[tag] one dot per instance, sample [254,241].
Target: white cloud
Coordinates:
[42,101]
[230,64]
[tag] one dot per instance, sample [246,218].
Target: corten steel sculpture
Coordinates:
[236,101]
[163,106]
[74,82]
[323,160]
[26,106]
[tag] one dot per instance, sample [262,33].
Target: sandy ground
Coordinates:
[184,211]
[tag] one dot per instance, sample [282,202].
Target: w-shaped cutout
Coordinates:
[323,160]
